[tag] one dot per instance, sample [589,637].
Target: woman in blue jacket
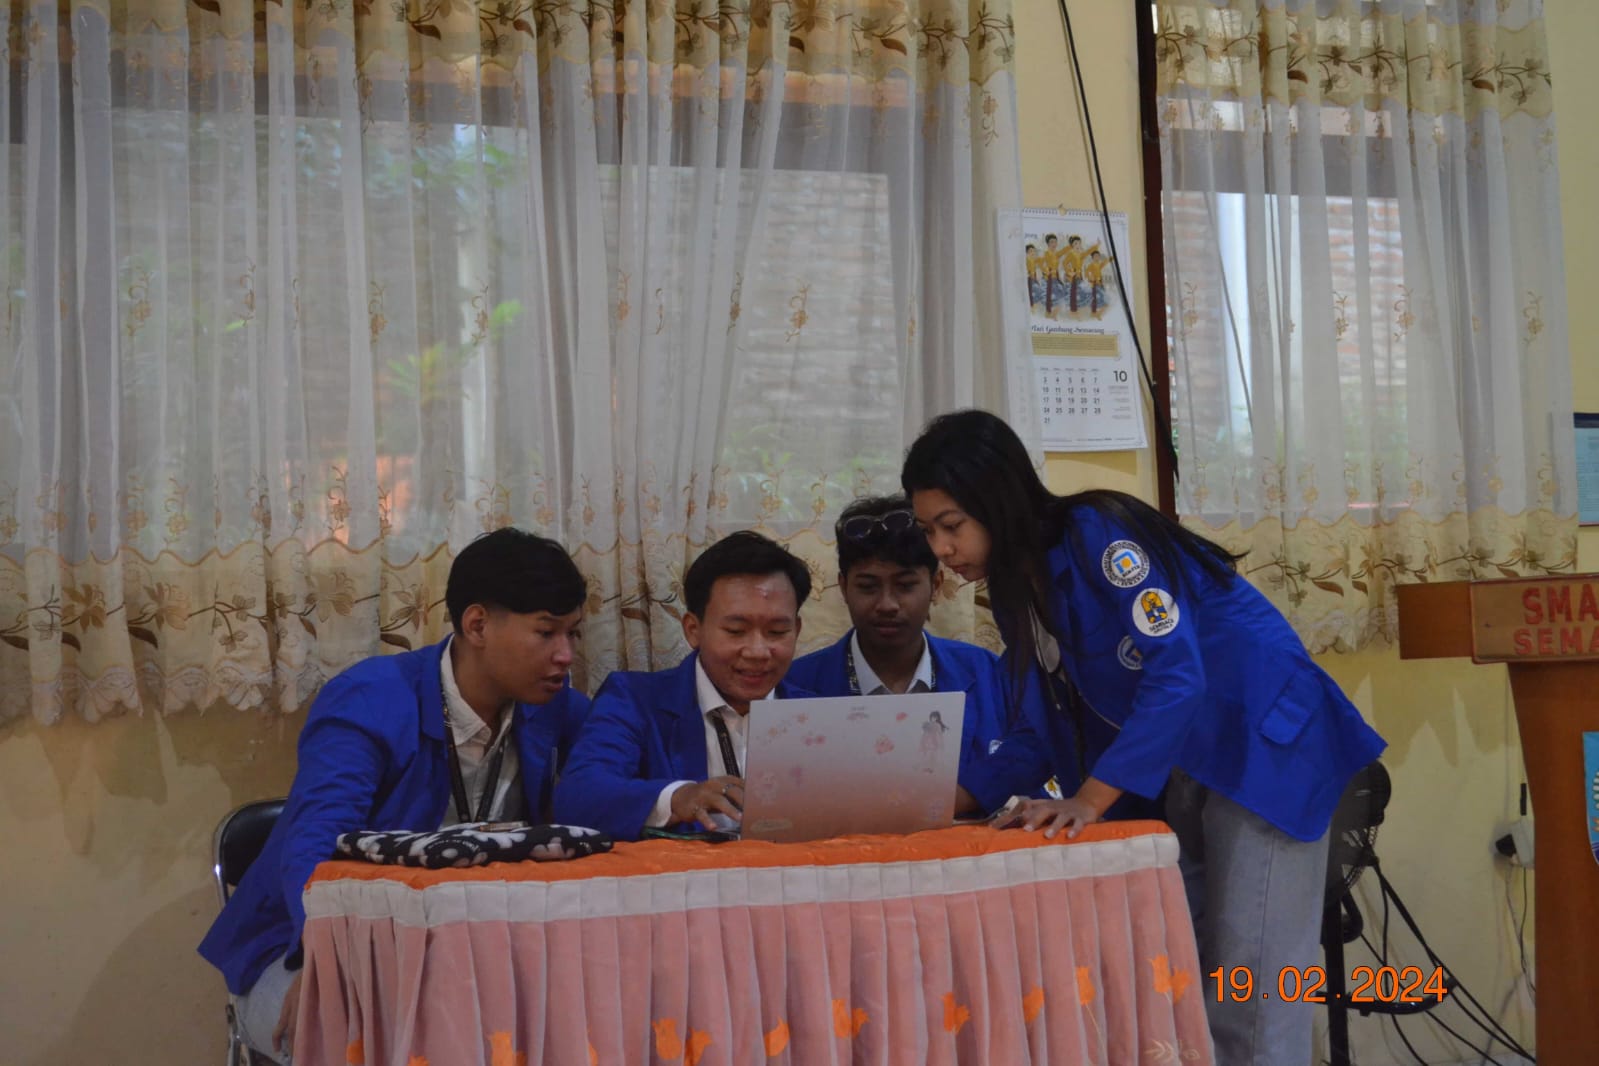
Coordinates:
[1195,678]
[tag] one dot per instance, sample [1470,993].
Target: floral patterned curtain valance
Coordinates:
[302,296]
[1363,247]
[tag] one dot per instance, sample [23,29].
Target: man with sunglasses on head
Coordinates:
[889,577]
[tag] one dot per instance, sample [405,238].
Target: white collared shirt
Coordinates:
[872,685]
[475,746]
[711,704]
[1048,648]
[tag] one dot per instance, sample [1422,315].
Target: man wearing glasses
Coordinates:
[889,577]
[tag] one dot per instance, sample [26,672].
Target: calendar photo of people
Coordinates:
[1067,285]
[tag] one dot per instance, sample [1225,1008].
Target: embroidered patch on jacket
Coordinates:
[1155,612]
[1129,655]
[1125,564]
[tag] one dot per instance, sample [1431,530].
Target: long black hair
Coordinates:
[984,467]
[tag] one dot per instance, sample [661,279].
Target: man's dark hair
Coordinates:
[906,546]
[514,570]
[736,554]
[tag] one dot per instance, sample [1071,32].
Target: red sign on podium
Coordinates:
[1542,618]
[1547,632]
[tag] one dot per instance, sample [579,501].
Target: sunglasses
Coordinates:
[863,527]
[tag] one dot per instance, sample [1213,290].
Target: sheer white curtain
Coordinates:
[1363,247]
[301,297]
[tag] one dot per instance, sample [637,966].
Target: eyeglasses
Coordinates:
[865,527]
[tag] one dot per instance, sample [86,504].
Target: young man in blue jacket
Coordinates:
[666,748]
[889,576]
[473,729]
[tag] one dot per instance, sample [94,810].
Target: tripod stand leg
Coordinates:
[1332,943]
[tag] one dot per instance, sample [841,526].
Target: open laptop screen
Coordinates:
[824,767]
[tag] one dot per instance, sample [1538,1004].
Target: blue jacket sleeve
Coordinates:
[1022,763]
[1163,625]
[601,787]
[549,733]
[577,712]
[342,757]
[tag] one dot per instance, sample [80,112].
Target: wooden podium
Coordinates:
[1547,631]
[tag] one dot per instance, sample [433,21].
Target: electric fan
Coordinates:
[1351,850]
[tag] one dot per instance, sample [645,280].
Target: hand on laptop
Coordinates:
[1069,814]
[700,803]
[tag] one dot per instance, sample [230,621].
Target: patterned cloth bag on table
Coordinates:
[473,844]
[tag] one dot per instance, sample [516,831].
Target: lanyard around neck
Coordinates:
[458,781]
[725,741]
[855,681]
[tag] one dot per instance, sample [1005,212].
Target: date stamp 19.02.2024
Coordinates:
[1308,984]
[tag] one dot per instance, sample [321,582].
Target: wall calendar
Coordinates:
[1065,284]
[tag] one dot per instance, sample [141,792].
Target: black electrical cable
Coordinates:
[1493,1026]
[1500,1036]
[1495,1032]
[1486,1021]
[1521,933]
[1382,957]
[1520,942]
[1393,1018]
[1162,422]
[1400,1032]
[1480,1051]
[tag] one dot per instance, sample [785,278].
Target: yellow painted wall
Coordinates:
[1056,173]
[1454,754]
[105,887]
[1573,31]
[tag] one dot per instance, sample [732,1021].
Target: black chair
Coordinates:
[239,838]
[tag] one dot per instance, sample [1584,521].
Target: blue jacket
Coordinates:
[1202,675]
[997,761]
[644,732]
[372,755]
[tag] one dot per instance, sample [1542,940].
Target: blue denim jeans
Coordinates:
[1256,896]
[259,1010]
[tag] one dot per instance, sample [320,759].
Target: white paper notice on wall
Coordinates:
[1061,280]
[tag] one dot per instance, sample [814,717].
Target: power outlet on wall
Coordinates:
[1513,842]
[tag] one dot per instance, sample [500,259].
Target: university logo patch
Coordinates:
[1128,655]
[1155,612]
[1125,564]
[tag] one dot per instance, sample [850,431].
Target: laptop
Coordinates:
[824,767]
